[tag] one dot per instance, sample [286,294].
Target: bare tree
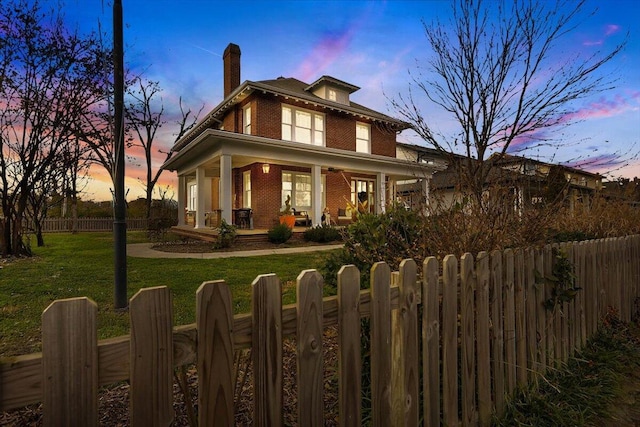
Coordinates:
[43,87]
[499,71]
[146,115]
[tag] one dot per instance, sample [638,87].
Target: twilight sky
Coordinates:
[371,44]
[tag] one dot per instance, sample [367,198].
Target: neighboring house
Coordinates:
[273,139]
[530,182]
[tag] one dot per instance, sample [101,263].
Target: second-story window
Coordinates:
[302,126]
[363,138]
[246,120]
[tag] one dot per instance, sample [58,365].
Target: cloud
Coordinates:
[603,107]
[609,30]
[331,46]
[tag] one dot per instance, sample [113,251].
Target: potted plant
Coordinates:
[286,215]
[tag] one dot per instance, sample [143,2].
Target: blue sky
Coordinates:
[373,45]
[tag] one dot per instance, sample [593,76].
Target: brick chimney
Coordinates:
[231,59]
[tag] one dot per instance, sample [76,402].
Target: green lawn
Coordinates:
[82,265]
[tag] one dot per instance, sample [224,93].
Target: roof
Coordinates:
[289,88]
[510,158]
[333,82]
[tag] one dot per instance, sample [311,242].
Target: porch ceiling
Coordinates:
[205,151]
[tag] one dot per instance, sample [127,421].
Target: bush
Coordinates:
[279,233]
[392,237]
[322,234]
[226,235]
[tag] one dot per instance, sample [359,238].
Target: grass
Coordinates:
[74,265]
[581,392]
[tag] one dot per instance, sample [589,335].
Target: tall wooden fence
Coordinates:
[483,330]
[54,225]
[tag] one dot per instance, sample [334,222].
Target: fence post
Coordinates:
[483,339]
[532,312]
[520,312]
[349,362]
[497,337]
[509,321]
[431,342]
[266,349]
[450,340]
[468,339]
[70,363]
[309,333]
[408,335]
[216,382]
[151,357]
[380,344]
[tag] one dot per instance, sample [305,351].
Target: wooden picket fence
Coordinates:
[482,331]
[56,225]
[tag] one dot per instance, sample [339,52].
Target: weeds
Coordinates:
[582,390]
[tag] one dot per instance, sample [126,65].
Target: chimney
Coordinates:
[231,59]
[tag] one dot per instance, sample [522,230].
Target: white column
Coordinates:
[381,193]
[200,199]
[182,199]
[425,194]
[316,194]
[225,188]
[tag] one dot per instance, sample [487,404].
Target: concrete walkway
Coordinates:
[144,250]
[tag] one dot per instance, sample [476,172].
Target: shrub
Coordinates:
[322,234]
[392,236]
[226,235]
[279,233]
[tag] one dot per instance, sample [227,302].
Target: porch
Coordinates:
[209,234]
[228,173]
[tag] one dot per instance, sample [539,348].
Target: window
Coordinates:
[363,195]
[193,197]
[363,140]
[298,187]
[333,96]
[246,189]
[246,120]
[302,126]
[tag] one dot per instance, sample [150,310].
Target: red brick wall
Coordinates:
[383,141]
[340,128]
[340,132]
[268,117]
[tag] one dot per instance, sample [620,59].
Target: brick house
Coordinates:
[273,139]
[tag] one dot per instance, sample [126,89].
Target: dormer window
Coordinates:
[303,126]
[332,89]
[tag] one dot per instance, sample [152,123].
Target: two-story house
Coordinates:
[276,139]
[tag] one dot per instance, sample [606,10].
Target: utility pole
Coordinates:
[119,207]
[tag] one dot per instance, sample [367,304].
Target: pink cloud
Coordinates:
[611,29]
[328,49]
[603,107]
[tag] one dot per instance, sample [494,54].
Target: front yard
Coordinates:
[82,265]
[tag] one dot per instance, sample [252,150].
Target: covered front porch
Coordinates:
[210,234]
[244,180]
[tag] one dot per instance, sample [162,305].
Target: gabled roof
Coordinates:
[288,88]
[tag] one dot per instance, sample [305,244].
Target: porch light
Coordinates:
[265,168]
